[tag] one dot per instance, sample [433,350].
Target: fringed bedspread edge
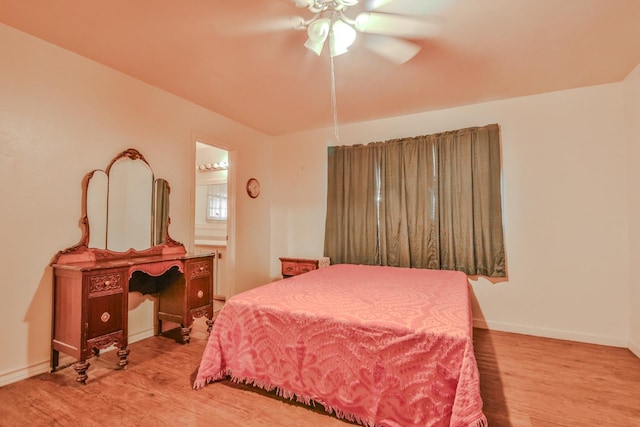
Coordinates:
[228,375]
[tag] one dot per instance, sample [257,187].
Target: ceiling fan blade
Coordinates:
[392,49]
[395,25]
[407,7]
[274,24]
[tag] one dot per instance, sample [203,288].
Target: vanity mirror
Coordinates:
[125,208]
[125,246]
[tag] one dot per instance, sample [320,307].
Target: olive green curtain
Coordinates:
[351,229]
[431,201]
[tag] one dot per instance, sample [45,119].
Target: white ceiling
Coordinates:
[218,54]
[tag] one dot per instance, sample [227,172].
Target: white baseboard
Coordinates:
[24,373]
[44,366]
[141,335]
[552,333]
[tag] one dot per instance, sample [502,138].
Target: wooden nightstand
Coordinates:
[294,266]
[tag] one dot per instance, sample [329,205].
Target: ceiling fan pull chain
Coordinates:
[334,108]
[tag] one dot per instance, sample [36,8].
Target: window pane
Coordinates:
[217,202]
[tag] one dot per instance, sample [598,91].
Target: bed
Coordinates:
[380,346]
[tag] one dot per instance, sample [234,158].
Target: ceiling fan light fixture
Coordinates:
[343,36]
[318,31]
[315,47]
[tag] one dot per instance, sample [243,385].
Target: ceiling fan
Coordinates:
[390,26]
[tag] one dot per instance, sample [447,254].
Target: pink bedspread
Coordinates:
[377,345]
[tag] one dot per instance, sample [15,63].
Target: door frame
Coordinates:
[231,204]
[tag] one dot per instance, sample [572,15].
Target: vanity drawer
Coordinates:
[106,283]
[200,288]
[200,292]
[199,269]
[106,302]
[105,314]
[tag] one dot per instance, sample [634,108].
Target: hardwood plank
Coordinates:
[526,382]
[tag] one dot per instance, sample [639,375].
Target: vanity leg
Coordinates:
[81,368]
[157,325]
[209,325]
[186,330]
[55,359]
[122,354]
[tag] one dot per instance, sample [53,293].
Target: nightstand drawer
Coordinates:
[304,267]
[295,266]
[289,268]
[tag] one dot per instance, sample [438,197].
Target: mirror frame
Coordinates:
[83,252]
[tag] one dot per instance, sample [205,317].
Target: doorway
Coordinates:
[213,213]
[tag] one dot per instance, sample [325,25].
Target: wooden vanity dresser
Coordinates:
[91,280]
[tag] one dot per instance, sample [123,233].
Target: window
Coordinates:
[431,201]
[216,202]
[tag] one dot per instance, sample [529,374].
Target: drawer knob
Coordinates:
[200,294]
[105,317]
[201,268]
[107,283]
[289,268]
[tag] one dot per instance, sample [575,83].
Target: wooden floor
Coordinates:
[526,381]
[532,381]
